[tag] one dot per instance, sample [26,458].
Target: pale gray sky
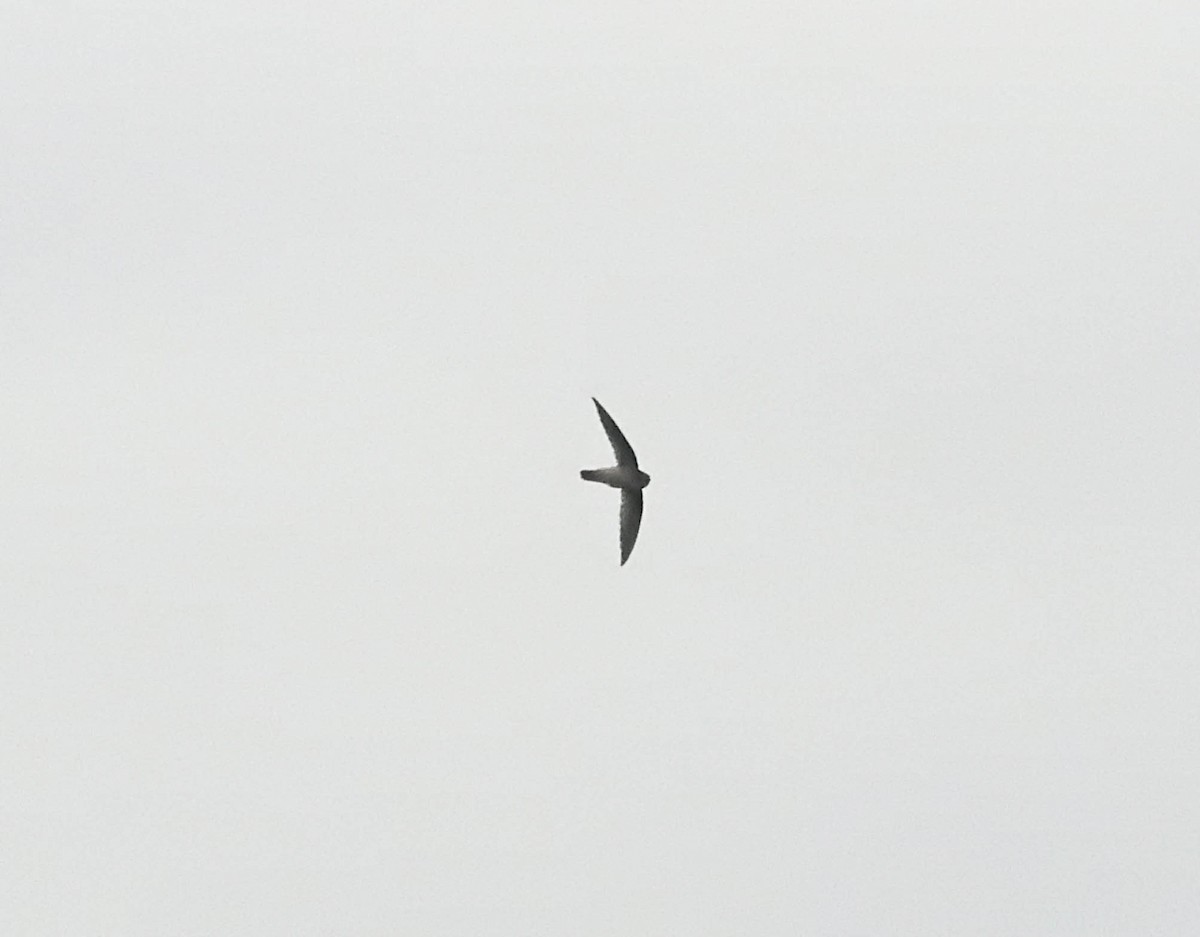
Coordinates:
[309,626]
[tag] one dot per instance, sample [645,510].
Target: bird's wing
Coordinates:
[621,448]
[631,520]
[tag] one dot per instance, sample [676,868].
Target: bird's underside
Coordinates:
[626,476]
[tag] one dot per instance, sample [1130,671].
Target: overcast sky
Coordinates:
[308,625]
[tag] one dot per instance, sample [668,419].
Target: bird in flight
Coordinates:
[624,475]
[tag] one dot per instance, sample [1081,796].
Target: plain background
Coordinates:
[309,625]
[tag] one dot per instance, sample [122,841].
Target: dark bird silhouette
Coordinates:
[626,476]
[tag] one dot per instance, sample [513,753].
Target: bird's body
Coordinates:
[617,477]
[626,476]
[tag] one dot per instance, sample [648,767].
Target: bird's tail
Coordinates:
[591,475]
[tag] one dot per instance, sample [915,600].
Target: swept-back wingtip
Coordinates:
[620,445]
